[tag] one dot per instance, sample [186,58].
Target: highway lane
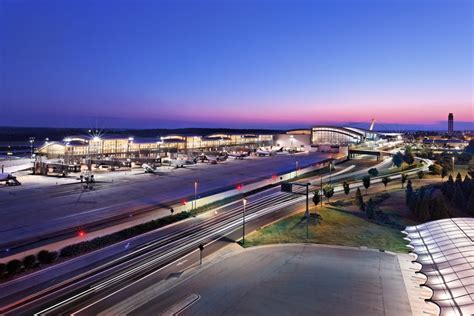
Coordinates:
[158,254]
[118,294]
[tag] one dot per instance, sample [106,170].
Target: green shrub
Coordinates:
[53,256]
[43,256]
[103,241]
[29,261]
[3,269]
[14,266]
[46,257]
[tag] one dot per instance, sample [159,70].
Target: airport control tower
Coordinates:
[450,123]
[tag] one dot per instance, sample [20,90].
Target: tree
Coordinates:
[467,186]
[397,159]
[328,191]
[438,208]
[14,266]
[420,174]
[408,193]
[366,183]
[385,181]
[316,198]
[3,269]
[45,257]
[373,172]
[448,188]
[359,201]
[370,209]
[404,179]
[408,157]
[470,204]
[470,148]
[458,197]
[444,172]
[435,169]
[459,179]
[29,261]
[346,187]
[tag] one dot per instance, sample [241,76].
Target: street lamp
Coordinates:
[244,201]
[32,140]
[195,192]
[453,164]
[330,171]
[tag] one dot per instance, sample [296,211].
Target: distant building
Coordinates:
[450,123]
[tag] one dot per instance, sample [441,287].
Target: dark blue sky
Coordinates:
[234,63]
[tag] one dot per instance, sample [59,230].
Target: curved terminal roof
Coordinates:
[342,130]
[445,249]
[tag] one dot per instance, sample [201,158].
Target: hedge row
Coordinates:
[103,241]
[29,262]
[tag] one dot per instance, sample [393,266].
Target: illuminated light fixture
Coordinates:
[131,139]
[81,233]
[239,187]
[96,138]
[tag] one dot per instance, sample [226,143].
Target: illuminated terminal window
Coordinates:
[335,135]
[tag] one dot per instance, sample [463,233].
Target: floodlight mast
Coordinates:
[288,187]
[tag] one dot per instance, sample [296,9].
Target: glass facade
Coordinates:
[335,135]
[121,147]
[445,249]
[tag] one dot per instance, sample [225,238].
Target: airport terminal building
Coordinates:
[317,138]
[130,147]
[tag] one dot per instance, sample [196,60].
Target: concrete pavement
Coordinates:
[294,279]
[40,206]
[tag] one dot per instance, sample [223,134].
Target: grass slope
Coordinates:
[334,227]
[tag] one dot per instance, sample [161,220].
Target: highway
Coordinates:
[98,287]
[93,284]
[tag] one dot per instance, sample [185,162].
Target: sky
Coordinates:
[242,64]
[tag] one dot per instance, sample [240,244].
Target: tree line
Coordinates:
[428,203]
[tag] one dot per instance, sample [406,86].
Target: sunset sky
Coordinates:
[276,64]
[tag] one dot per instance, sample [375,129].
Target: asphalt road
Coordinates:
[94,287]
[177,242]
[40,207]
[291,280]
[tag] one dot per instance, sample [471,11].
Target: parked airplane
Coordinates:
[268,151]
[239,156]
[9,179]
[179,162]
[214,159]
[149,169]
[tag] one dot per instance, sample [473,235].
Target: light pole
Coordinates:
[330,173]
[453,165]
[244,201]
[32,140]
[195,193]
[296,169]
